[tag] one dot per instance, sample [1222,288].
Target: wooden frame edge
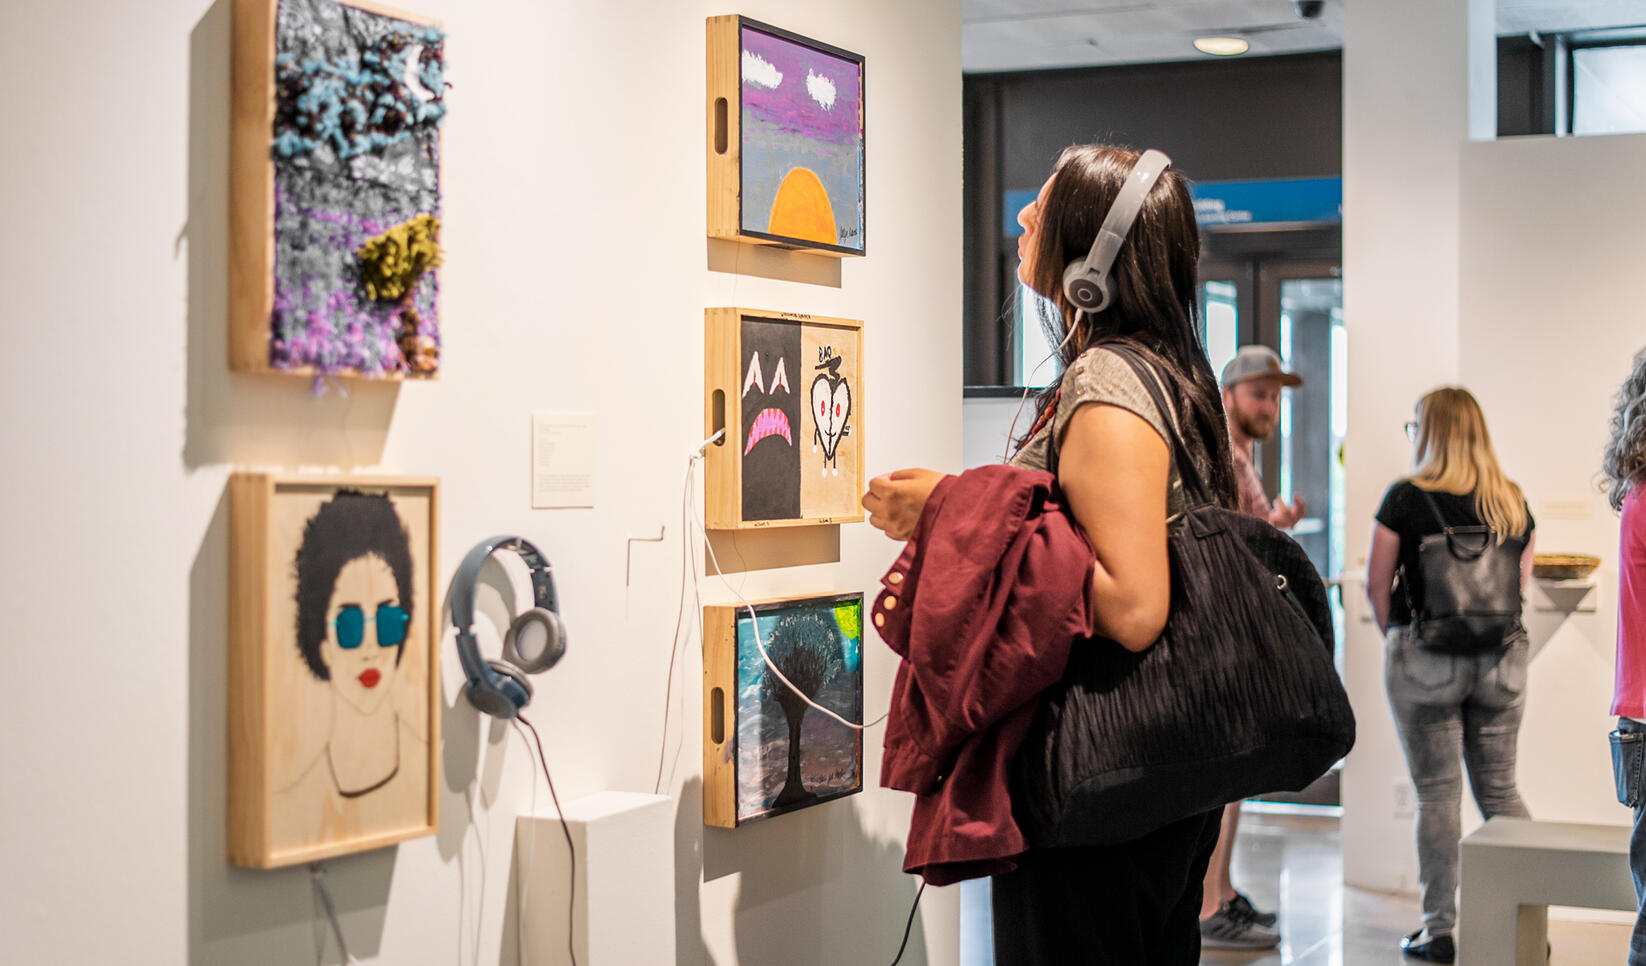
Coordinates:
[723,56]
[720,367]
[251,190]
[247,820]
[720,670]
[251,502]
[719,760]
[251,184]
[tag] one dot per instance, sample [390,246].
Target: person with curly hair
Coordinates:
[1624,466]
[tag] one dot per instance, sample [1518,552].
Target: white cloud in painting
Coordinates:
[756,70]
[821,89]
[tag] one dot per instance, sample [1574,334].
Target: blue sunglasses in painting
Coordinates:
[391,620]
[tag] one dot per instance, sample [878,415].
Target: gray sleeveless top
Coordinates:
[1101,376]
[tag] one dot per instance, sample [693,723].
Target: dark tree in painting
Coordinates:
[806,648]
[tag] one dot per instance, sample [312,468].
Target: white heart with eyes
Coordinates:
[831,409]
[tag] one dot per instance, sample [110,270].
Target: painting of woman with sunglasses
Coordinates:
[355,596]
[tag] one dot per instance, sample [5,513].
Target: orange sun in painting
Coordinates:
[801,209]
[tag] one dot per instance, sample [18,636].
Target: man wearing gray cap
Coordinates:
[1251,383]
[1251,397]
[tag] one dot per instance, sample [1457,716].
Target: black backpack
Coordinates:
[1471,588]
[1238,697]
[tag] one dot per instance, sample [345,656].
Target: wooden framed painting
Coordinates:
[788,391]
[785,119]
[334,709]
[334,207]
[765,750]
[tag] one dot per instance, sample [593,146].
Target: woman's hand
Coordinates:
[894,500]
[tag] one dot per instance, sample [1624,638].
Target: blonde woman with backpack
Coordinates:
[1451,554]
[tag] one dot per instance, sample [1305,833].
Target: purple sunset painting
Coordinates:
[802,141]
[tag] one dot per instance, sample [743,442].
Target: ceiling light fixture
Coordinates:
[1221,46]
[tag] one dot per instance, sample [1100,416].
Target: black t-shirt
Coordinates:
[1408,514]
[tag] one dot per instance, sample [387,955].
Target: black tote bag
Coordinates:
[1238,697]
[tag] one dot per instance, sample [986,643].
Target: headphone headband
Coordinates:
[489,689]
[1086,282]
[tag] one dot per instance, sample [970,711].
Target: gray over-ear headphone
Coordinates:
[535,640]
[1086,282]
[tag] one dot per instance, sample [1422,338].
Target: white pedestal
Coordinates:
[624,910]
[1515,868]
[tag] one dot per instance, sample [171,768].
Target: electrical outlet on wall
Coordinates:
[1405,799]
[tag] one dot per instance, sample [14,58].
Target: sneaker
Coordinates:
[1438,949]
[1227,928]
[1243,906]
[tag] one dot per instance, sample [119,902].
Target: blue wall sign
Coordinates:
[1218,203]
[1268,202]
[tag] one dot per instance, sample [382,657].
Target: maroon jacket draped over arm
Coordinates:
[983,605]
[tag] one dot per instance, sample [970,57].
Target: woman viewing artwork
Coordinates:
[1099,431]
[1451,554]
[1624,465]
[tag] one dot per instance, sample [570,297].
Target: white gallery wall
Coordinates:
[1508,267]
[1550,319]
[575,278]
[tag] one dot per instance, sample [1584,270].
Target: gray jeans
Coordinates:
[1448,707]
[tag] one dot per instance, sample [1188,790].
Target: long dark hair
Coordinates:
[1155,304]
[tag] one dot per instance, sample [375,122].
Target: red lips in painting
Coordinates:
[770,422]
[370,677]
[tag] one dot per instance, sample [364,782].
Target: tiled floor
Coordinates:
[1295,864]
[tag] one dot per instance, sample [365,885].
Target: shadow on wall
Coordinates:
[689,947]
[475,754]
[248,916]
[771,261]
[244,916]
[240,418]
[792,906]
[740,551]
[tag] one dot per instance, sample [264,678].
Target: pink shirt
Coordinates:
[1253,501]
[1629,694]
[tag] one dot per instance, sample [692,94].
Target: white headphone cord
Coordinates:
[1011,432]
[688,566]
[754,621]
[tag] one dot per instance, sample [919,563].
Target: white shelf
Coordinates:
[1574,596]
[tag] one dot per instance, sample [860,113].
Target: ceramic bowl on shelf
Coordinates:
[1564,566]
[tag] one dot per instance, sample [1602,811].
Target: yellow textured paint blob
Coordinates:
[802,210]
[391,263]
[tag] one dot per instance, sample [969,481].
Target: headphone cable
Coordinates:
[908,927]
[754,624]
[571,851]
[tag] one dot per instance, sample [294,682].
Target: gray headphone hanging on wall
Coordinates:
[1086,282]
[535,641]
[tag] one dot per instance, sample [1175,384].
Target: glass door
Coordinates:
[1227,309]
[1300,316]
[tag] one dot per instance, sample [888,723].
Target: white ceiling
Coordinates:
[1031,34]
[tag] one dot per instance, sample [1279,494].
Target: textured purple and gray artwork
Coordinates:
[356,150]
[802,141]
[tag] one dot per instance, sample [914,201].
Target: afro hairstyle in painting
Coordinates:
[351,524]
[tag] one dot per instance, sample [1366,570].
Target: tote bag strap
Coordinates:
[1433,508]
[1187,471]
[1454,535]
